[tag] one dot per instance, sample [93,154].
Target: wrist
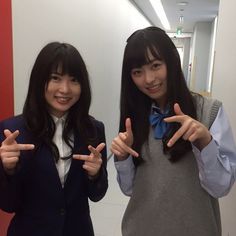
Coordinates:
[121,158]
[200,144]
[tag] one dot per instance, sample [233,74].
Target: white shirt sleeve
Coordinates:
[125,175]
[217,161]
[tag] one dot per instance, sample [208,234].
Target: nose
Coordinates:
[149,77]
[64,86]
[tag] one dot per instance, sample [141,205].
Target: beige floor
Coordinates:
[107,213]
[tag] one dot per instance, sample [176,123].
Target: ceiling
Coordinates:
[194,11]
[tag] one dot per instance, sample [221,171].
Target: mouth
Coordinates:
[62,100]
[154,88]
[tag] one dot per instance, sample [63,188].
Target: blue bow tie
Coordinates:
[156,121]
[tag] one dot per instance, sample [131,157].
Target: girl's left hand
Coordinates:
[92,162]
[191,129]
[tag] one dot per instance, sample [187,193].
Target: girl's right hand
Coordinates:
[121,145]
[10,150]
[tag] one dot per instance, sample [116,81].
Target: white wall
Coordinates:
[211,55]
[98,29]
[223,88]
[183,42]
[200,56]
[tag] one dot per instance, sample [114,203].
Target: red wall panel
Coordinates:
[6,80]
[6,60]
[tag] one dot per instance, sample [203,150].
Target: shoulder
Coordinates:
[205,101]
[13,123]
[207,108]
[98,124]
[99,129]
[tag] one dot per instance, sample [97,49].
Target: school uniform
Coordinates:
[42,205]
[178,198]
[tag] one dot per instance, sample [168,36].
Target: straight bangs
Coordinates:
[66,63]
[137,54]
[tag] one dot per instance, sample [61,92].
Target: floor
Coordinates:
[107,213]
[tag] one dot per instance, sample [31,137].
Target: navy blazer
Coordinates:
[35,194]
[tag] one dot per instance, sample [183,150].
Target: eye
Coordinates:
[74,80]
[136,72]
[156,65]
[54,77]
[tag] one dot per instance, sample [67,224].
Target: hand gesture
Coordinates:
[10,150]
[121,145]
[191,129]
[92,162]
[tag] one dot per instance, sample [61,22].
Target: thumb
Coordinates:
[7,132]
[100,147]
[177,109]
[10,137]
[128,127]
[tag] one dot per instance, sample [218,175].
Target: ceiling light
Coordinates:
[158,7]
[182,3]
[179,31]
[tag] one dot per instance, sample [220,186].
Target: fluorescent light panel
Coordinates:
[158,7]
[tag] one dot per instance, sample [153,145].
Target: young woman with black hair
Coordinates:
[175,153]
[53,156]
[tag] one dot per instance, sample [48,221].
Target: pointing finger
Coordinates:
[17,147]
[178,134]
[25,147]
[81,157]
[129,150]
[177,118]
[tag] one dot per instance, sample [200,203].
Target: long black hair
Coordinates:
[137,105]
[38,121]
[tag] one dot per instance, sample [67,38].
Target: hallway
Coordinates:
[107,213]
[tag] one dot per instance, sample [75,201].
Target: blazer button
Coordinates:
[62,211]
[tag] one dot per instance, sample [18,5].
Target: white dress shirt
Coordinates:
[62,166]
[216,162]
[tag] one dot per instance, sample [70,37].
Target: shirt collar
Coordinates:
[61,119]
[156,109]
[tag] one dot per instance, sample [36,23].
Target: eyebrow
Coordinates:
[154,59]
[56,73]
[151,61]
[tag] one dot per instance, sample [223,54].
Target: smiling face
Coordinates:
[61,93]
[151,79]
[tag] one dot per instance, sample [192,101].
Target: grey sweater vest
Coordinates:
[167,198]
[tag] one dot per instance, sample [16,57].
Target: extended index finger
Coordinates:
[178,134]
[25,147]
[128,149]
[177,118]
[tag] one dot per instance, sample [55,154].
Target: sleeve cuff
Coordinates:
[125,165]
[208,155]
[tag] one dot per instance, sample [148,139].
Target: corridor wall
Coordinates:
[223,88]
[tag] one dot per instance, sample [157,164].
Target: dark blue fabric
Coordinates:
[156,120]
[35,194]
